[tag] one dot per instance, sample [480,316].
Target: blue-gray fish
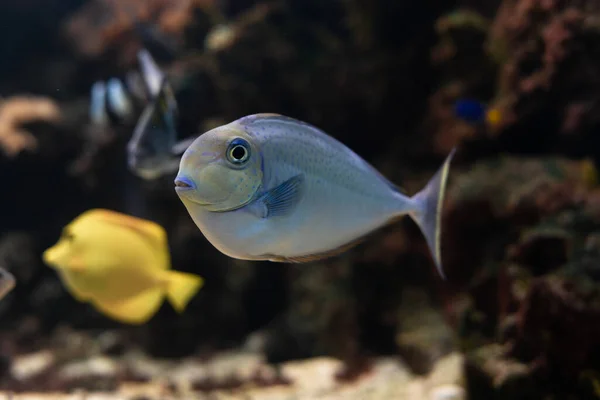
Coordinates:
[269,187]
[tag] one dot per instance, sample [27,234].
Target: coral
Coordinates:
[101,26]
[533,281]
[490,374]
[545,318]
[18,111]
[423,336]
[535,65]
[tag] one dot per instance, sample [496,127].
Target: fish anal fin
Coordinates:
[135,310]
[317,256]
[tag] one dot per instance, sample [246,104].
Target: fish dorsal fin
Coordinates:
[280,200]
[149,230]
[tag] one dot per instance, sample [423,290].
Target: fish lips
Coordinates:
[186,189]
[184,184]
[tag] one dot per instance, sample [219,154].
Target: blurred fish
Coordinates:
[269,187]
[98,114]
[121,265]
[153,76]
[157,83]
[110,100]
[474,111]
[150,149]
[153,149]
[7,282]
[136,86]
[118,100]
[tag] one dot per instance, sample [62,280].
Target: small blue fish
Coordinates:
[470,110]
[476,112]
[269,187]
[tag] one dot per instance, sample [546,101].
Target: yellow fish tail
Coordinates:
[428,216]
[182,286]
[135,310]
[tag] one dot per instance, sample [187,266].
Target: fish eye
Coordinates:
[238,151]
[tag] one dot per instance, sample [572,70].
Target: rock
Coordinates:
[239,375]
[423,336]
[491,374]
[30,365]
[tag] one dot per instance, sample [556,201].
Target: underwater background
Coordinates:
[514,85]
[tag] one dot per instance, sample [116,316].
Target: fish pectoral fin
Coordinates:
[135,310]
[280,200]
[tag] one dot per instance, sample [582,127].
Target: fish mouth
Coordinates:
[183,184]
[184,187]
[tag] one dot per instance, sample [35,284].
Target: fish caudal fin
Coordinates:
[428,215]
[181,288]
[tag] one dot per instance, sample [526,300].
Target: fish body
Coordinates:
[121,265]
[293,193]
[151,72]
[118,100]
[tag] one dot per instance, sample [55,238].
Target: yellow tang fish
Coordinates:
[121,265]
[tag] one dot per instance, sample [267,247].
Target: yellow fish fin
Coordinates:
[135,310]
[148,229]
[181,287]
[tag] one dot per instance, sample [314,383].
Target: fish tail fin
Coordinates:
[181,287]
[428,214]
